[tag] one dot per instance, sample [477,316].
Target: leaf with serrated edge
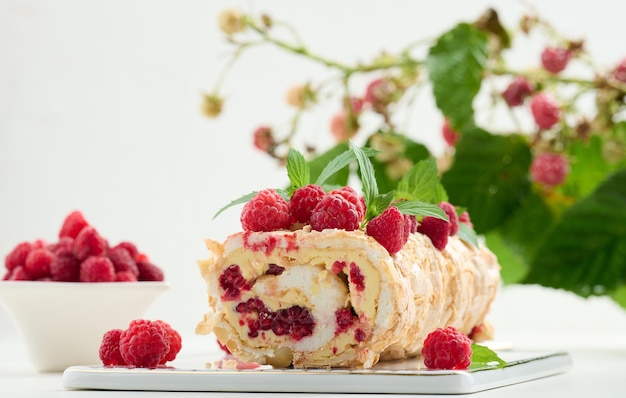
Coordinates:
[467,234]
[421,181]
[238,201]
[418,208]
[368,180]
[340,162]
[298,169]
[483,357]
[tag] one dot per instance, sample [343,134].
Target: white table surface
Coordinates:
[598,371]
[592,331]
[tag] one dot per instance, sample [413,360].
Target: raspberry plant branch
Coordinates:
[533,190]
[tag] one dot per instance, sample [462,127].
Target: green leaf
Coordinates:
[379,203]
[243,199]
[588,167]
[619,296]
[366,170]
[467,234]
[320,163]
[489,177]
[455,66]
[421,183]
[417,208]
[586,251]
[298,170]
[514,265]
[483,357]
[339,163]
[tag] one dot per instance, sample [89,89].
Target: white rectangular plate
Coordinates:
[393,377]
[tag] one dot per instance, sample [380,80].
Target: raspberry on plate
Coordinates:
[89,243]
[267,211]
[38,263]
[447,348]
[110,348]
[144,343]
[149,272]
[174,340]
[17,256]
[388,229]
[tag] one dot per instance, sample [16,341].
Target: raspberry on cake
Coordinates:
[366,279]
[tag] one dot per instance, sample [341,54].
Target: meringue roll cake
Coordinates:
[338,298]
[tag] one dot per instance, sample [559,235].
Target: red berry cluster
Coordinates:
[144,344]
[344,209]
[447,348]
[80,255]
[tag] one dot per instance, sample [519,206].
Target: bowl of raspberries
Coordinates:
[65,295]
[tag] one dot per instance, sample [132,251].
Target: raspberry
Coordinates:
[130,248]
[335,211]
[17,256]
[453,219]
[410,224]
[125,276]
[294,321]
[64,244]
[144,344]
[19,273]
[89,243]
[545,110]
[73,224]
[304,200]
[465,218]
[619,73]
[353,197]
[447,349]
[122,260]
[65,267]
[450,136]
[38,263]
[549,169]
[274,269]
[436,229]
[342,126]
[110,349]
[344,318]
[174,340]
[149,272]
[378,93]
[223,347]
[517,91]
[388,229]
[555,59]
[267,211]
[263,138]
[357,278]
[97,269]
[232,282]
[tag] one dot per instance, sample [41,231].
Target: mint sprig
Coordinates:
[485,358]
[298,170]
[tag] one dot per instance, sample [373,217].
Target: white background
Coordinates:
[99,111]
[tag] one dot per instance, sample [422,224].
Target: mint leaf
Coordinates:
[514,265]
[467,234]
[585,252]
[368,179]
[457,60]
[489,176]
[483,357]
[298,169]
[321,163]
[417,208]
[421,183]
[243,199]
[339,163]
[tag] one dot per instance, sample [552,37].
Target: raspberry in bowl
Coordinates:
[64,295]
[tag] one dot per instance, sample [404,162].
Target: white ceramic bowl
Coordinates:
[63,323]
